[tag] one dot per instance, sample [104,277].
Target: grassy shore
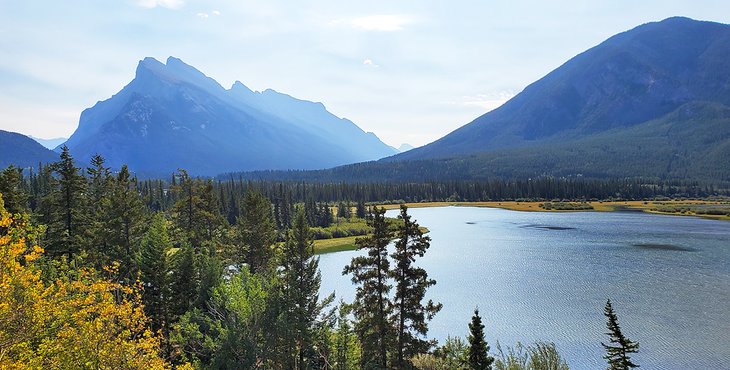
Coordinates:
[697,208]
[323,246]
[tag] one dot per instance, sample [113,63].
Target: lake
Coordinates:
[546,277]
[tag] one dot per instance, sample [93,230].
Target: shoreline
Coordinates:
[333,245]
[596,206]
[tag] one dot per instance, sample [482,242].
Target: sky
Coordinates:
[410,71]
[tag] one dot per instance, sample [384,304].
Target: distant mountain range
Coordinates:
[650,102]
[22,151]
[50,143]
[173,116]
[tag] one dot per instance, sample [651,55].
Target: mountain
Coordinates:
[652,102]
[22,151]
[405,147]
[635,83]
[50,143]
[173,116]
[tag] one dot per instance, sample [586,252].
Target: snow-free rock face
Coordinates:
[173,116]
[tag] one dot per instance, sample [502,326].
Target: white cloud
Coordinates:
[216,12]
[170,4]
[202,15]
[381,22]
[370,63]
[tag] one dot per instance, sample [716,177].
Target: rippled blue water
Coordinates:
[546,276]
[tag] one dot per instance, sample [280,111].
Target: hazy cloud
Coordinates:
[170,4]
[202,15]
[370,63]
[380,22]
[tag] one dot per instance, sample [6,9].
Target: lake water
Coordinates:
[546,277]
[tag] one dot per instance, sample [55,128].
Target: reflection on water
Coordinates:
[546,276]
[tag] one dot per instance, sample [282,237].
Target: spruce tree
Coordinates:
[344,348]
[619,347]
[11,187]
[372,306]
[196,212]
[65,212]
[479,358]
[360,210]
[411,282]
[256,232]
[97,232]
[125,224]
[184,284]
[300,291]
[155,268]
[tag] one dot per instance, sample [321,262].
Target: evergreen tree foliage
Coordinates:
[346,347]
[372,307]
[479,358]
[300,291]
[619,347]
[343,210]
[360,210]
[411,282]
[256,232]
[155,273]
[12,186]
[197,210]
[65,208]
[125,224]
[99,191]
[210,274]
[240,303]
[184,285]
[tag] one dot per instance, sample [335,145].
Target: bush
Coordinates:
[319,233]
[540,356]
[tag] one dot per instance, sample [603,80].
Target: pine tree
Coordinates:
[256,232]
[184,285]
[300,291]
[479,358]
[210,272]
[97,232]
[125,224]
[11,186]
[196,211]
[409,312]
[372,305]
[361,211]
[155,273]
[344,346]
[65,208]
[619,348]
[343,210]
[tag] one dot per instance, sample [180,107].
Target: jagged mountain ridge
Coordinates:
[173,116]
